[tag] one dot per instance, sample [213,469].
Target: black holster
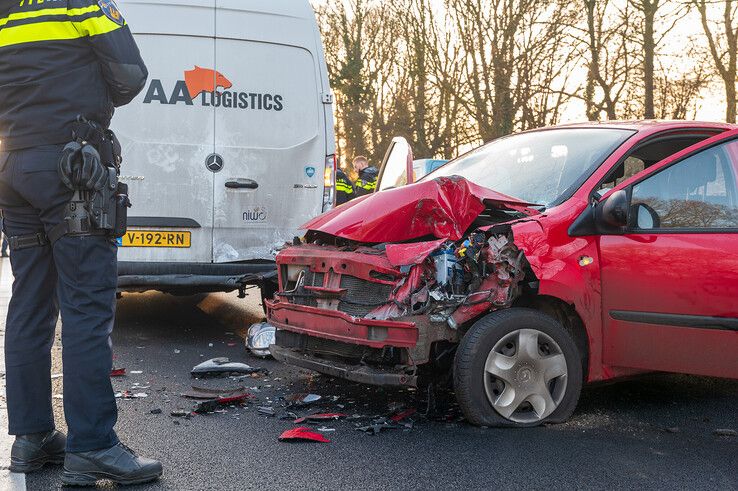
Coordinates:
[103,212]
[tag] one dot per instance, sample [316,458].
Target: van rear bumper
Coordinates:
[188,278]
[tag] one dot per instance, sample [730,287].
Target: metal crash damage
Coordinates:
[385,285]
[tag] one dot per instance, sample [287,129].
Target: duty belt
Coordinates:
[20,242]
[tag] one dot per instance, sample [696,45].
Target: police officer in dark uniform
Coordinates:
[64,66]
[344,188]
[367,180]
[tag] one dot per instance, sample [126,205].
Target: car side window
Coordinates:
[630,167]
[698,192]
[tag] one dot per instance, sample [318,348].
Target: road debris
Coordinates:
[155,411]
[179,413]
[127,394]
[266,410]
[725,432]
[302,399]
[302,434]
[118,372]
[320,417]
[223,366]
[403,415]
[136,372]
[197,392]
[260,336]
[213,405]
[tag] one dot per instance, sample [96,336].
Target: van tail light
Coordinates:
[329,183]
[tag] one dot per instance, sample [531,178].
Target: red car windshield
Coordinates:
[543,167]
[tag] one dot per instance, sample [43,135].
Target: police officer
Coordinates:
[367,181]
[60,59]
[344,188]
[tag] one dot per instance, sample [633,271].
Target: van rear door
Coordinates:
[167,134]
[269,127]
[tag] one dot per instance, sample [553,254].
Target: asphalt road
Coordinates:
[655,432]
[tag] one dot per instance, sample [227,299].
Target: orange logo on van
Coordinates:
[209,88]
[199,80]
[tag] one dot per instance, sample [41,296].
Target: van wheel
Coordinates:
[517,367]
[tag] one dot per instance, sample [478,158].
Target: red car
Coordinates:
[528,266]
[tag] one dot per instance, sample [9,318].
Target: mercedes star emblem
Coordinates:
[214,162]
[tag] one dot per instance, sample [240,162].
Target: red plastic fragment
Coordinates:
[319,417]
[234,399]
[404,414]
[118,372]
[302,434]
[211,405]
[413,253]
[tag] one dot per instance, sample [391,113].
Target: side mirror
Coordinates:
[646,217]
[606,217]
[613,211]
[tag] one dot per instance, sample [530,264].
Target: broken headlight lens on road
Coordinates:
[260,336]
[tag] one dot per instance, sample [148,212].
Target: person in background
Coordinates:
[344,188]
[367,180]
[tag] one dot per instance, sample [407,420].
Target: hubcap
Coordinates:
[525,376]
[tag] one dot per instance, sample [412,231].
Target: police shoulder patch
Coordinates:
[111,11]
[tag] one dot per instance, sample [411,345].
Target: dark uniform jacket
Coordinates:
[60,59]
[344,188]
[367,181]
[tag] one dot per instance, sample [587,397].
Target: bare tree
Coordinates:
[656,19]
[722,39]
[359,44]
[545,67]
[608,54]
[677,91]
[501,40]
[433,67]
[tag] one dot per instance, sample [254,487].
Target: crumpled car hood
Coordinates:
[444,207]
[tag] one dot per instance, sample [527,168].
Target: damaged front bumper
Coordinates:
[378,314]
[352,372]
[339,326]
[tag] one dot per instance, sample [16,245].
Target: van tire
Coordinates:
[472,382]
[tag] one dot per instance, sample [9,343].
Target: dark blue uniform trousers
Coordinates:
[77,276]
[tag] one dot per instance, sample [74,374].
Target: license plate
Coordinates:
[156,238]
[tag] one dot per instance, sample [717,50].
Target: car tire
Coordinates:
[481,378]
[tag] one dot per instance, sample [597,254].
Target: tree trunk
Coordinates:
[649,49]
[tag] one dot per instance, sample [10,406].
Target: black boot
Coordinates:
[31,452]
[118,464]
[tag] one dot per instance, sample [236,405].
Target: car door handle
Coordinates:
[242,184]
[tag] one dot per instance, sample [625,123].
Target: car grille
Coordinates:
[362,296]
[311,279]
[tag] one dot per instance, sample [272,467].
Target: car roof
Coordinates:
[649,125]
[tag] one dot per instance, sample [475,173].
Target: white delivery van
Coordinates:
[229,148]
